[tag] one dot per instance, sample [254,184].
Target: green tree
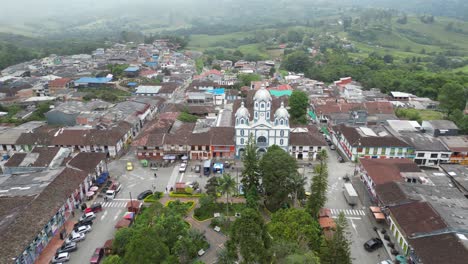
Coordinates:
[272,71]
[121,239]
[276,168]
[212,187]
[318,196]
[452,96]
[117,69]
[227,185]
[140,249]
[186,117]
[251,171]
[297,61]
[199,65]
[298,103]
[246,79]
[249,236]
[216,67]
[337,249]
[297,226]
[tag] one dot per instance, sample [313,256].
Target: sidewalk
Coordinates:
[49,251]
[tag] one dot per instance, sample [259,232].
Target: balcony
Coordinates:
[262,144]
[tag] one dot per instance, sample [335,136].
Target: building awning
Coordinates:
[312,115]
[379,216]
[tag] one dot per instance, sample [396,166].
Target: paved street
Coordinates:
[133,183]
[359,220]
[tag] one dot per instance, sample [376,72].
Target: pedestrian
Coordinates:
[73,213]
[105,198]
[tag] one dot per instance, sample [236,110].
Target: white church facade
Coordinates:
[266,128]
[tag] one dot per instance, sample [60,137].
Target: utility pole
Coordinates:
[131,201]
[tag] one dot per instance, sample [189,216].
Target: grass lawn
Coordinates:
[207,212]
[430,114]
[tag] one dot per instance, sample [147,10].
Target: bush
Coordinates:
[184,195]
[187,206]
[152,198]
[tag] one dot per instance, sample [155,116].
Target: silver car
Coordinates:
[62,257]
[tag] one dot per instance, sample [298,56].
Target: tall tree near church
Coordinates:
[276,169]
[318,189]
[298,103]
[250,174]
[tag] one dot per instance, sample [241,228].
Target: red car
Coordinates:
[97,256]
[95,207]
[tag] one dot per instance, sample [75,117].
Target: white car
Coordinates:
[88,216]
[62,257]
[110,194]
[83,229]
[75,237]
[183,167]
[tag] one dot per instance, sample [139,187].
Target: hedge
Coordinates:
[152,198]
[184,195]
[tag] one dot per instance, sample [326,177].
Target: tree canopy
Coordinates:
[298,103]
[297,61]
[276,169]
[295,225]
[249,236]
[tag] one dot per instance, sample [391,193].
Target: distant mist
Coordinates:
[20,12]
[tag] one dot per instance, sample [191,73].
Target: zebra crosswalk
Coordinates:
[348,212]
[113,204]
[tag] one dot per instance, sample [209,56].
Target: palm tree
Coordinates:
[227,185]
[322,156]
[297,182]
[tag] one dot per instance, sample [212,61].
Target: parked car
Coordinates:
[197,169]
[129,166]
[110,194]
[373,244]
[144,194]
[88,216]
[83,229]
[182,167]
[82,223]
[62,257]
[332,147]
[116,186]
[97,256]
[67,247]
[75,237]
[95,207]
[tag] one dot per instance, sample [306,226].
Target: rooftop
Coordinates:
[24,217]
[387,170]
[456,143]
[417,217]
[444,248]
[86,80]
[442,124]
[423,142]
[368,137]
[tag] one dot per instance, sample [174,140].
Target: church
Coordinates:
[266,128]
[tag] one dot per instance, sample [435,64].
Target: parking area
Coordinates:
[135,181]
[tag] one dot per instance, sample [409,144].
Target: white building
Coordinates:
[266,129]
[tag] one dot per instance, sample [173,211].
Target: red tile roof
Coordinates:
[283,87]
[445,248]
[62,82]
[387,170]
[417,217]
